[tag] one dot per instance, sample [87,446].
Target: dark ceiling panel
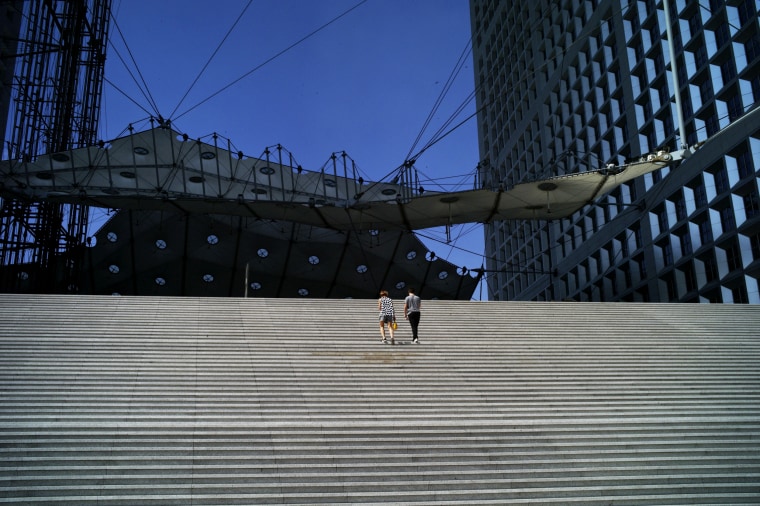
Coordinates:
[160,253]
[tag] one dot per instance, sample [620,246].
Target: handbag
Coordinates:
[394,325]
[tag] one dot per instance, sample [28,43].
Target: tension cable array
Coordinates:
[271,59]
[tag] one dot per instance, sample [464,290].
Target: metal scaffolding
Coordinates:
[53,58]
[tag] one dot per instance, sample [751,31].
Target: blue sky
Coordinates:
[365,84]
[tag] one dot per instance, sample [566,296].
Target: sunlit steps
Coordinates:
[126,400]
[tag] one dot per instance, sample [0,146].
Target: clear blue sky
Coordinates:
[365,84]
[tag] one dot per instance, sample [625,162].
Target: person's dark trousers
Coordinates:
[414,321]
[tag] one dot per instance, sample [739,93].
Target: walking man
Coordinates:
[412,305]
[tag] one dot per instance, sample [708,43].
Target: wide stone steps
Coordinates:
[141,401]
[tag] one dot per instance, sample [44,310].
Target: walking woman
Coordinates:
[387,315]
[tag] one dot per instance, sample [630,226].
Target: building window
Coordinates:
[751,204]
[721,181]
[705,232]
[627,275]
[681,210]
[700,195]
[727,219]
[662,94]
[652,140]
[670,282]
[642,267]
[659,63]
[727,71]
[700,57]
[686,248]
[662,220]
[638,51]
[691,138]
[740,295]
[711,269]
[721,34]
[752,48]
[690,277]
[744,162]
[712,125]
[683,74]
[705,91]
[755,245]
[733,258]
[747,11]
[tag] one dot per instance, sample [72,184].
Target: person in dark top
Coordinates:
[412,305]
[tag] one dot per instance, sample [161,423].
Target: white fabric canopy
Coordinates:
[163,169]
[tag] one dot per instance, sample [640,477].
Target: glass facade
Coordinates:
[566,86]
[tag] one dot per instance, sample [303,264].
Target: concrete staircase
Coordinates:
[190,401]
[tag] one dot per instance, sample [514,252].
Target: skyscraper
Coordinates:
[566,86]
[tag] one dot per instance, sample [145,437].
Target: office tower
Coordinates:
[572,85]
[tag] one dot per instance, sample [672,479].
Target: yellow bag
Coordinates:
[394,325]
